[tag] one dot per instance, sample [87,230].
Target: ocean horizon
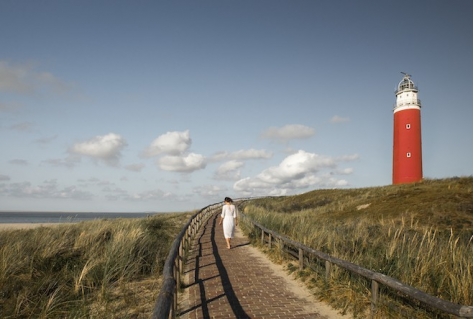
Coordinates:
[7,217]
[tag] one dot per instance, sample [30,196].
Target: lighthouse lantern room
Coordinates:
[407,160]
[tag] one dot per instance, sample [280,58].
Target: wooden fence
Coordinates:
[167,301]
[302,254]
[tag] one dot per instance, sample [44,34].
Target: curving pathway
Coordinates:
[241,282]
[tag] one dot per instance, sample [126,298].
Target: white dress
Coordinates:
[229,212]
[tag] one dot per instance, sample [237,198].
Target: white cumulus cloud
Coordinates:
[297,171]
[170,143]
[107,148]
[295,166]
[188,163]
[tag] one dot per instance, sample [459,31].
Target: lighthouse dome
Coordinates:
[406,84]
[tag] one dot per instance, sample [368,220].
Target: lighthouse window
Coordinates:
[408,154]
[407,126]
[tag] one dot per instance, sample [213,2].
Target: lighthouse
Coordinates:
[407,163]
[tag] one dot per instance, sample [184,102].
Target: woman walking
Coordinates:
[228,220]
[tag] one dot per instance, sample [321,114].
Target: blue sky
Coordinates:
[162,106]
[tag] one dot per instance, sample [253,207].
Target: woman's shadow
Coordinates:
[229,292]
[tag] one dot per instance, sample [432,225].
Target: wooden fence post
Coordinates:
[301,258]
[180,257]
[328,269]
[175,295]
[375,297]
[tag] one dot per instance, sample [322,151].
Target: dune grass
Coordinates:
[420,234]
[107,268]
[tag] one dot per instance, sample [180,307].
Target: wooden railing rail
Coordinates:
[298,251]
[166,304]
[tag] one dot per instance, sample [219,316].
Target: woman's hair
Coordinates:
[228,199]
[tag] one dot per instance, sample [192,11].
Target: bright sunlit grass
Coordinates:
[93,269]
[420,234]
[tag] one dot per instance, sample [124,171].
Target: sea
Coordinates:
[58,217]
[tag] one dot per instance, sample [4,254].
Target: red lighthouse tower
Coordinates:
[407,164]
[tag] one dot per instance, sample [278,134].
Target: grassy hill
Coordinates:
[420,234]
[442,203]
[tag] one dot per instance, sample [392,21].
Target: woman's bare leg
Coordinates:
[228,242]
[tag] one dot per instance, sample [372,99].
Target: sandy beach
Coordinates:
[25,225]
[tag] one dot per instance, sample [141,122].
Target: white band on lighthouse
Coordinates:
[406,107]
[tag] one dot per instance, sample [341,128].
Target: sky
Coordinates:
[169,106]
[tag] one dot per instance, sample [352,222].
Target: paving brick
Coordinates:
[231,283]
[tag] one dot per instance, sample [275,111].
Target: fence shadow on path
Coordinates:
[206,246]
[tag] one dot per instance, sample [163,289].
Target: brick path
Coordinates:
[223,283]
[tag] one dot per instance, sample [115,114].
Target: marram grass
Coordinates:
[420,234]
[109,268]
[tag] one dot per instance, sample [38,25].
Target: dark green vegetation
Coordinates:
[93,269]
[420,234]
